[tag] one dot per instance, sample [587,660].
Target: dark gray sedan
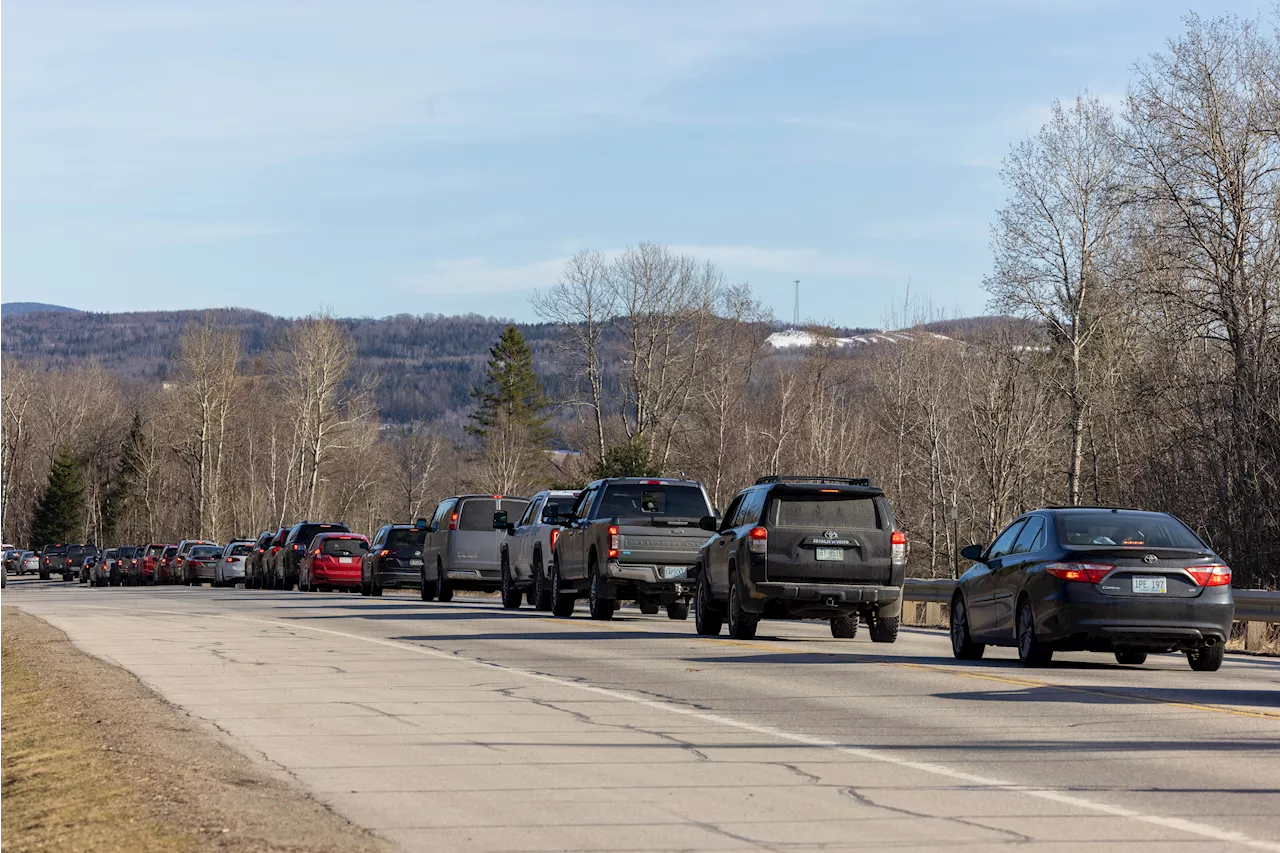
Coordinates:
[1094,579]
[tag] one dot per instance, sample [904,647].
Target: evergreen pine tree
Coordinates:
[124,485]
[629,459]
[61,505]
[512,395]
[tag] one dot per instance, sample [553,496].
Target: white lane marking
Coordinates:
[1190,827]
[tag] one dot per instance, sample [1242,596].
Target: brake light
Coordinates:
[296,546]
[653,482]
[898,546]
[231,559]
[1212,575]
[453,521]
[615,541]
[555,536]
[385,552]
[496,497]
[316,552]
[758,540]
[1080,572]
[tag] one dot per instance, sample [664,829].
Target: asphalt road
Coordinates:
[460,727]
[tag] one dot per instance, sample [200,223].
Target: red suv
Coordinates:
[332,562]
[149,560]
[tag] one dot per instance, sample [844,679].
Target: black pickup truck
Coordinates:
[633,538]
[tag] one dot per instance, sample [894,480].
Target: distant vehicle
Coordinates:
[803,548]
[13,559]
[294,547]
[30,563]
[131,565]
[178,572]
[79,558]
[150,557]
[271,577]
[526,553]
[394,559]
[462,544]
[200,563]
[1094,579]
[253,562]
[106,568]
[630,538]
[53,560]
[230,566]
[164,565]
[332,562]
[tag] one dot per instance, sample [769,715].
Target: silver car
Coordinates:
[526,553]
[230,567]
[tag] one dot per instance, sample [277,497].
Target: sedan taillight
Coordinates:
[1213,575]
[1081,572]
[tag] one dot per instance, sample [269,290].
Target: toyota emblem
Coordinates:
[829,534]
[1150,558]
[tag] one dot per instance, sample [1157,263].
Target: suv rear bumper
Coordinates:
[830,598]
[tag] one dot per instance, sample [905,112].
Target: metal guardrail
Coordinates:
[1252,605]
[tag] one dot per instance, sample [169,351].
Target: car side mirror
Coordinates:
[709,523]
[972,553]
[500,520]
[420,524]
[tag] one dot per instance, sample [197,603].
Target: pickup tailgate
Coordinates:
[653,542]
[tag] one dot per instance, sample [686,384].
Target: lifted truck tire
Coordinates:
[844,627]
[600,607]
[678,610]
[884,629]
[562,601]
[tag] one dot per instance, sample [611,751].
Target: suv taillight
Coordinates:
[1081,572]
[758,540]
[1214,575]
[615,541]
[898,546]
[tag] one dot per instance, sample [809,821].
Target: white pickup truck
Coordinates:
[527,551]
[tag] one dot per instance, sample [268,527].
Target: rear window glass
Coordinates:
[55,549]
[477,514]
[240,550]
[308,531]
[825,513]
[344,547]
[1124,530]
[204,552]
[404,538]
[638,500]
[129,551]
[155,550]
[170,551]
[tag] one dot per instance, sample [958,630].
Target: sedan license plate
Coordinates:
[1150,585]
[415,562]
[345,559]
[670,572]
[832,555]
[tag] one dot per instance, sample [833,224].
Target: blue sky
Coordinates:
[378,158]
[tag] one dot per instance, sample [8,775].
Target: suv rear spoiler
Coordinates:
[808,478]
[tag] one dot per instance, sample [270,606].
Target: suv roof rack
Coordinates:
[1111,507]
[809,478]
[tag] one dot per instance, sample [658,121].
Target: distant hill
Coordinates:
[13,309]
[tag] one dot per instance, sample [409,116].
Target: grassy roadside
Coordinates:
[95,761]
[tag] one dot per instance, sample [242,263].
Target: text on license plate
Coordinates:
[345,559]
[1150,585]
[835,555]
[674,571]
[415,562]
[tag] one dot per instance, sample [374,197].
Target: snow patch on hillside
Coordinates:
[800,339]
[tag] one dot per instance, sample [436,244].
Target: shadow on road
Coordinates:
[1092,695]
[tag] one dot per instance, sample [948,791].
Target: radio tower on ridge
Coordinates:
[795,316]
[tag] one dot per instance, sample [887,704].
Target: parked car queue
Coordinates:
[1102,579]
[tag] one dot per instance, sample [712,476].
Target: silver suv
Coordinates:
[526,554]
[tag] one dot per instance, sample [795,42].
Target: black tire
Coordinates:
[444,592]
[708,617]
[1131,657]
[44,576]
[648,608]
[883,629]
[962,645]
[562,600]
[678,610]
[1208,659]
[742,624]
[66,578]
[541,588]
[365,589]
[844,627]
[600,607]
[1031,651]
[376,590]
[510,595]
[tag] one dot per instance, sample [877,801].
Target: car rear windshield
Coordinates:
[1124,530]
[204,552]
[638,500]
[825,513]
[55,549]
[344,547]
[170,551]
[477,513]
[241,549]
[406,538]
[308,532]
[155,550]
[129,551]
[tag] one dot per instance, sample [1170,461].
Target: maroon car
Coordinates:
[164,565]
